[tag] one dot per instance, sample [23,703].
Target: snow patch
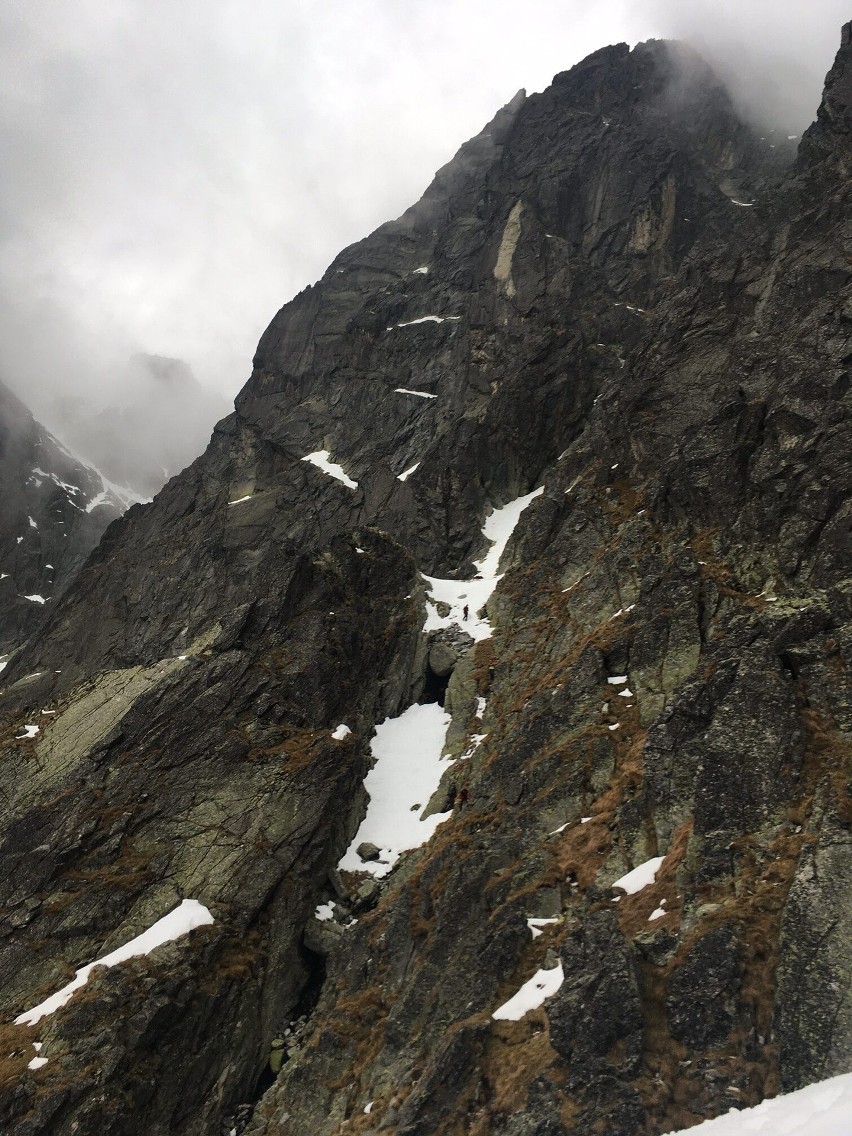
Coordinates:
[823,1109]
[341,733]
[417,394]
[424,319]
[423,270]
[247,497]
[36,599]
[476,741]
[542,985]
[189,915]
[325,911]
[405,476]
[29,732]
[320,458]
[535,925]
[616,680]
[641,877]
[407,772]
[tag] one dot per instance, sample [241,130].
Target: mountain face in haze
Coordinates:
[612,341]
[53,509]
[161,424]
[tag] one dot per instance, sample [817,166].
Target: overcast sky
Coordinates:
[174,170]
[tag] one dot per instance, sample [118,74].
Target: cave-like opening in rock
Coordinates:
[435,687]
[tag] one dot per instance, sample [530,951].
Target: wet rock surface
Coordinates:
[667,677]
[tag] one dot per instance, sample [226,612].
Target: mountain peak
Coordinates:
[829,138]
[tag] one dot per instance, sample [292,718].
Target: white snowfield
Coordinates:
[408,769]
[320,458]
[186,917]
[474,594]
[823,1109]
[542,985]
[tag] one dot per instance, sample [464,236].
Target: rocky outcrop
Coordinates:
[616,293]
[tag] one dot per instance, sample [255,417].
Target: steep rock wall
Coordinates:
[671,366]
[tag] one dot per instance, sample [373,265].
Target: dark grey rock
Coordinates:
[703,990]
[813,1005]
[596,1016]
[671,369]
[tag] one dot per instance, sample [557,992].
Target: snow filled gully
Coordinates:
[467,598]
[409,750]
[409,764]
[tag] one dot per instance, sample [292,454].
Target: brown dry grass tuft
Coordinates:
[16,1052]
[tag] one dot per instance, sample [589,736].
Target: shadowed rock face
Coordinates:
[618,293]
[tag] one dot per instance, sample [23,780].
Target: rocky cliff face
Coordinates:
[618,295]
[53,509]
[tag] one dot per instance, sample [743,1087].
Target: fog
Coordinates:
[773,57]
[173,173]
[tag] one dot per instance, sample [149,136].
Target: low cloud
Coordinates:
[773,56]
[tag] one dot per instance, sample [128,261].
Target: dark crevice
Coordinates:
[301,1012]
[434,687]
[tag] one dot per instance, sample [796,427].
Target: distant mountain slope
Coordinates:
[607,887]
[53,509]
[160,423]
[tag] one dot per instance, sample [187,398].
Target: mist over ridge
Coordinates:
[171,177]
